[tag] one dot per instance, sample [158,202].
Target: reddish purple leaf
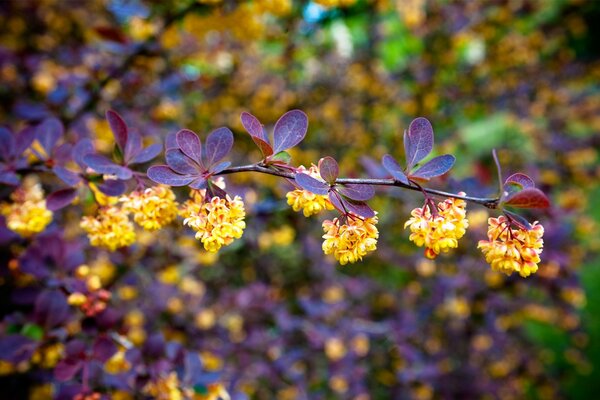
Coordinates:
[392,166]
[61,198]
[329,169]
[311,184]
[62,153]
[112,187]
[518,220]
[103,165]
[147,154]
[190,145]
[522,179]
[165,175]
[49,132]
[254,127]
[528,198]
[357,192]
[435,167]
[215,191]
[112,34]
[346,205]
[66,369]
[418,141]
[51,308]
[218,145]
[133,147]
[181,163]
[104,348]
[67,176]
[264,147]
[118,127]
[289,130]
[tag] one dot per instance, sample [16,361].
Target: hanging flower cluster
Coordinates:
[110,228]
[440,230]
[350,240]
[310,203]
[152,208]
[27,214]
[511,248]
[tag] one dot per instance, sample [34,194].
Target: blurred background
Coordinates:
[271,315]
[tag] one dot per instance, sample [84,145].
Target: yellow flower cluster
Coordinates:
[27,215]
[152,208]
[111,228]
[350,241]
[164,388]
[217,222]
[335,3]
[440,232]
[511,249]
[306,201]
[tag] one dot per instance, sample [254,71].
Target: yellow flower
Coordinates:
[117,363]
[306,201]
[440,232]
[27,215]
[351,240]
[217,222]
[101,198]
[164,388]
[153,208]
[512,249]
[110,228]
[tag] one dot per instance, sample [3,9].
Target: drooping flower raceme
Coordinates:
[111,228]
[512,249]
[27,215]
[351,240]
[306,201]
[217,222]
[152,208]
[438,232]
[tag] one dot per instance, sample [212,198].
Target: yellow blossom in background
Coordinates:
[117,363]
[217,222]
[164,388]
[510,249]
[438,232]
[153,208]
[349,242]
[111,228]
[308,202]
[27,215]
[335,3]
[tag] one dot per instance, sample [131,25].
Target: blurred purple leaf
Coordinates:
[67,176]
[218,145]
[133,147]
[66,369]
[118,127]
[48,132]
[104,348]
[392,166]
[190,145]
[181,163]
[51,308]
[147,154]
[7,143]
[16,348]
[311,184]
[112,187]
[171,141]
[9,178]
[357,192]
[61,198]
[435,167]
[198,183]
[103,165]
[418,141]
[522,179]
[289,130]
[24,140]
[83,147]
[528,198]
[329,169]
[62,153]
[165,175]
[215,169]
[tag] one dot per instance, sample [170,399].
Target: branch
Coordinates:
[491,203]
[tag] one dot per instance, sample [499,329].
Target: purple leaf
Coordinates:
[528,198]
[147,154]
[519,220]
[190,145]
[345,205]
[62,153]
[133,147]
[66,369]
[215,191]
[67,176]
[171,141]
[218,145]
[51,308]
[522,179]
[329,169]
[181,163]
[357,192]
[418,141]
[311,184]
[289,130]
[265,147]
[165,175]
[435,167]
[392,166]
[220,167]
[7,143]
[24,140]
[198,183]
[118,127]
[16,348]
[103,165]
[104,348]
[9,178]
[81,149]
[49,132]
[112,187]
[61,198]
[254,127]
